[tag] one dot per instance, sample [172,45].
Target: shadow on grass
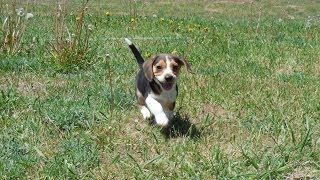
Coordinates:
[181,127]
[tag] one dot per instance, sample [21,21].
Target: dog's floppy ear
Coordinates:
[183,62]
[147,68]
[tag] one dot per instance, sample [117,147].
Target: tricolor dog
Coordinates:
[156,85]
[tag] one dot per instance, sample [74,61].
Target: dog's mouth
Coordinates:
[167,85]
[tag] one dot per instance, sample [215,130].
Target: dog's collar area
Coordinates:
[167,86]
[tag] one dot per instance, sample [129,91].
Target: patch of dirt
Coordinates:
[202,82]
[214,10]
[234,1]
[214,110]
[299,9]
[30,85]
[25,86]
[289,67]
[31,88]
[317,70]
[135,124]
[301,172]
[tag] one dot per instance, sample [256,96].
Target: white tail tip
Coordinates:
[128,41]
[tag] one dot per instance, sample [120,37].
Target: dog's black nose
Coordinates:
[168,78]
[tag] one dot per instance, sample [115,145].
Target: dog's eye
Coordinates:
[175,68]
[158,67]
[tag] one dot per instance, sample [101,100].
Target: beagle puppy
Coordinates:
[156,85]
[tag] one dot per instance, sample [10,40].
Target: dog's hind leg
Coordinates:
[142,105]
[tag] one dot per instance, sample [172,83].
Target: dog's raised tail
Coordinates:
[135,52]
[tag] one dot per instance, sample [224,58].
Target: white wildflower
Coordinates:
[20,12]
[29,16]
[291,17]
[90,27]
[59,12]
[309,22]
[4,23]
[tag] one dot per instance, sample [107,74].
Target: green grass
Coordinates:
[251,109]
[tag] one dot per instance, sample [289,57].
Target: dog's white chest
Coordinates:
[165,96]
[161,106]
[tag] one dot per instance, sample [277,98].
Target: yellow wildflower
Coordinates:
[147,54]
[108,13]
[174,51]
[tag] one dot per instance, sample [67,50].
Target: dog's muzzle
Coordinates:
[169,82]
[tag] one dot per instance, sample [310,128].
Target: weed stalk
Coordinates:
[107,59]
[68,49]
[13,27]
[133,14]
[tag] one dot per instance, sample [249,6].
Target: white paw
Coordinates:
[145,112]
[162,120]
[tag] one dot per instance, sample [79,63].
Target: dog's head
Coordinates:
[164,69]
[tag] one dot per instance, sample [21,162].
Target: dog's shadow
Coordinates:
[181,127]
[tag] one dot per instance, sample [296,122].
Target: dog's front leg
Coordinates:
[157,110]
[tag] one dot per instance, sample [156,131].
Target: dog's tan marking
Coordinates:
[141,100]
[175,67]
[169,106]
[159,67]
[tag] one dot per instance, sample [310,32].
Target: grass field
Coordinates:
[251,109]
